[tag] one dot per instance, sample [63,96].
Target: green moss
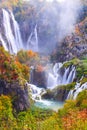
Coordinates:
[81,69]
[74,61]
[84,80]
[68,86]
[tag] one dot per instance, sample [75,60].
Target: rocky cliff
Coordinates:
[74,45]
[19,95]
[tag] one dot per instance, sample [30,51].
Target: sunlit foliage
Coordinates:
[10,69]
[28,57]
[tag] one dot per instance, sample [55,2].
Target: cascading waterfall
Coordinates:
[36,92]
[78,88]
[18,39]
[13,41]
[36,96]
[65,76]
[71,75]
[55,78]
[32,42]
[8,32]
[13,37]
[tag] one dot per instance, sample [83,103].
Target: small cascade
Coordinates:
[8,32]
[36,92]
[55,78]
[71,75]
[78,88]
[65,76]
[52,81]
[43,103]
[32,42]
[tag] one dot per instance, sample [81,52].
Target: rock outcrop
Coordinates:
[39,78]
[57,95]
[74,45]
[20,96]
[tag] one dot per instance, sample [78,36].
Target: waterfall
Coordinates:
[18,39]
[78,88]
[65,76]
[55,78]
[13,40]
[32,42]
[12,33]
[43,103]
[71,75]
[8,32]
[36,92]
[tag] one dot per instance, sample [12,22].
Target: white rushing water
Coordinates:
[18,39]
[55,78]
[78,88]
[13,40]
[8,32]
[36,93]
[32,42]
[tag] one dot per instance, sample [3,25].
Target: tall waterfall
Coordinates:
[12,40]
[78,88]
[32,42]
[18,39]
[55,78]
[8,32]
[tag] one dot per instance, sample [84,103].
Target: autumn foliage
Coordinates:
[10,69]
[28,57]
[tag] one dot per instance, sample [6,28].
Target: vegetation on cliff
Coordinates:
[10,68]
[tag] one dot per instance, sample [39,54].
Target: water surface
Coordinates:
[49,104]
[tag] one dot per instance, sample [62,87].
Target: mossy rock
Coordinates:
[84,80]
[59,93]
[67,87]
[74,62]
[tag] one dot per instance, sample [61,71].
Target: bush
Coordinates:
[81,101]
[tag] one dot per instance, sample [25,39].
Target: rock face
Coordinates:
[57,94]
[39,79]
[20,96]
[74,45]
